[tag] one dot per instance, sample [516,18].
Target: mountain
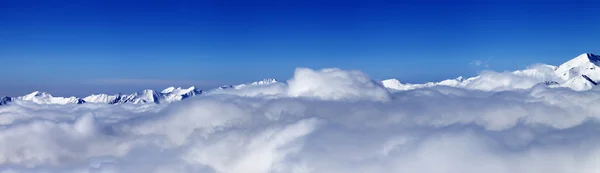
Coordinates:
[263,82]
[45,98]
[579,73]
[167,95]
[176,94]
[103,98]
[397,85]
[257,83]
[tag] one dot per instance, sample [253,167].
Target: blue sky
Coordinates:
[80,47]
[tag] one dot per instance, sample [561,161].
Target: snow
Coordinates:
[256,83]
[102,98]
[168,90]
[570,74]
[397,85]
[176,94]
[46,98]
[170,94]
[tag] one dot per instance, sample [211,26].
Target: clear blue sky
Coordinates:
[123,46]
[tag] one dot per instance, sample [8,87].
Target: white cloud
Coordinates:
[325,121]
[325,84]
[481,63]
[335,84]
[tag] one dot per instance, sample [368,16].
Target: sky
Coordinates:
[83,47]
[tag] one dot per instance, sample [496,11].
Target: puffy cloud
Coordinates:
[335,84]
[324,84]
[306,127]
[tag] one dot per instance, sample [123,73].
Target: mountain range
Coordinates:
[167,95]
[580,73]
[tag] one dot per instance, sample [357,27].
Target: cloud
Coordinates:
[308,128]
[325,84]
[481,63]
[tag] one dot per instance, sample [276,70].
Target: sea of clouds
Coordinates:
[319,121]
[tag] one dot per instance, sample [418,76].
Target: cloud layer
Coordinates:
[321,121]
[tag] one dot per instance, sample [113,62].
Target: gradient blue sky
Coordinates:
[80,47]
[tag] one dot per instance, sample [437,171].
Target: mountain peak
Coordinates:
[264,82]
[586,64]
[46,98]
[582,59]
[593,58]
[36,94]
[168,90]
[267,81]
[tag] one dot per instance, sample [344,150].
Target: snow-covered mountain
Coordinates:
[257,83]
[397,85]
[167,95]
[579,73]
[175,94]
[46,98]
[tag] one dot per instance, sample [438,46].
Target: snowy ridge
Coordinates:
[146,96]
[580,73]
[397,85]
[257,83]
[46,98]
[168,95]
[175,94]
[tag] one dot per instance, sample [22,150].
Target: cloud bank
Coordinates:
[320,121]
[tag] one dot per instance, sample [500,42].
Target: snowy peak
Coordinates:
[46,98]
[170,94]
[393,84]
[581,72]
[397,85]
[584,63]
[175,94]
[168,90]
[146,96]
[264,82]
[103,98]
[268,81]
[593,58]
[36,94]
[167,95]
